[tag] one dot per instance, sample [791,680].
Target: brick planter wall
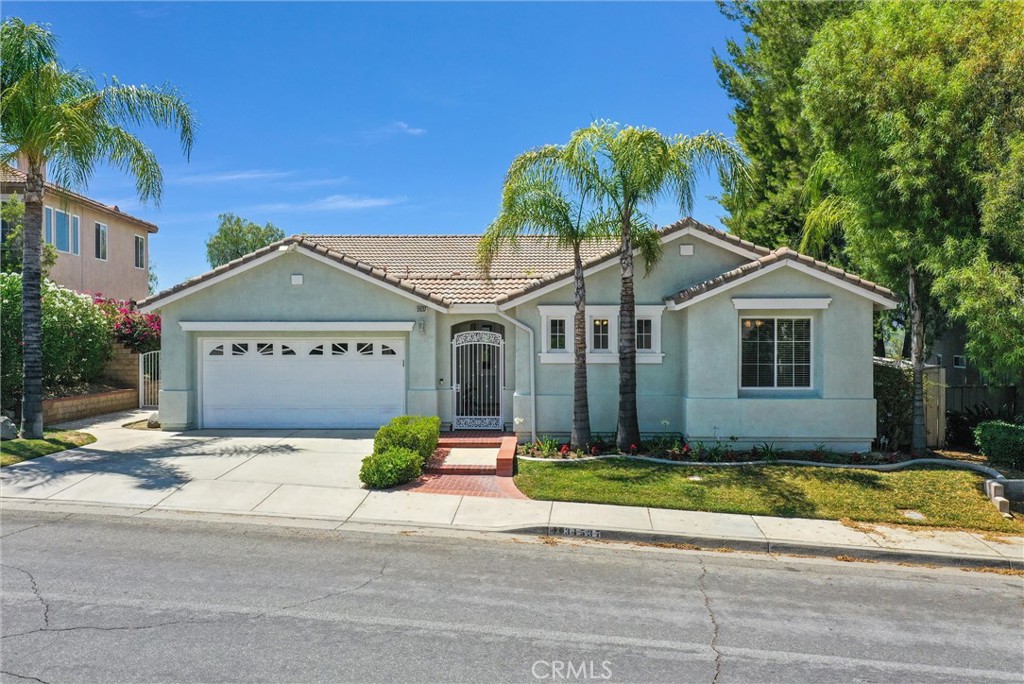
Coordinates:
[88,405]
[122,369]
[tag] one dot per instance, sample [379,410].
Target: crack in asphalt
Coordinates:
[27,678]
[123,628]
[32,527]
[711,616]
[35,591]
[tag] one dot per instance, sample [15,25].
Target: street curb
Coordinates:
[880,554]
[685,541]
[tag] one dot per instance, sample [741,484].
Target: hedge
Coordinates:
[1002,442]
[894,394]
[390,467]
[418,433]
[76,338]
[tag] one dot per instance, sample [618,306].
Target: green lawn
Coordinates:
[17,450]
[947,498]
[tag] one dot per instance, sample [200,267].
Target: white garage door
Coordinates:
[314,383]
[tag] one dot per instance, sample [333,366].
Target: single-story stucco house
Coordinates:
[336,331]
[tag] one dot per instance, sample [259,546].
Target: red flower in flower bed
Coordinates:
[632,448]
[564,450]
[594,450]
[138,331]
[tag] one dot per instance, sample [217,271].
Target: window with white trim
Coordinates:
[101,241]
[556,334]
[61,230]
[140,252]
[775,353]
[600,334]
[959,361]
[644,335]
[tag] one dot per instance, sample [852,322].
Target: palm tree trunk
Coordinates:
[918,436]
[628,430]
[581,437]
[31,307]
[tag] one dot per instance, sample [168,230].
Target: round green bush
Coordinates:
[76,337]
[1002,442]
[390,467]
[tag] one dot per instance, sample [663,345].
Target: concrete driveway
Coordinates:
[277,472]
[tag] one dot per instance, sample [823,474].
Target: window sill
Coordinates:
[599,358]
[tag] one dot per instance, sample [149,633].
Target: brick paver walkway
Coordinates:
[466,485]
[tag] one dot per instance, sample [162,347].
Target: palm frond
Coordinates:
[829,217]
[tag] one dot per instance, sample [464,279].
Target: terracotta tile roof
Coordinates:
[13,180]
[774,257]
[299,242]
[426,257]
[443,269]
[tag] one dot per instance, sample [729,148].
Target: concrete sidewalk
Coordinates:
[310,479]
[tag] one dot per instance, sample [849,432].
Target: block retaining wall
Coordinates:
[63,409]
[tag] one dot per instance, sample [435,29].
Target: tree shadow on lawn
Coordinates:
[142,463]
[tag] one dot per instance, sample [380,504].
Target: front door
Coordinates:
[478,358]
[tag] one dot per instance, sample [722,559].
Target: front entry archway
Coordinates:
[478,360]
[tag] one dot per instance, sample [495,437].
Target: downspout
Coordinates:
[533,364]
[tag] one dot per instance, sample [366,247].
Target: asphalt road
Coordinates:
[97,599]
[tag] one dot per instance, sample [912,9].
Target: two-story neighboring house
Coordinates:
[101,250]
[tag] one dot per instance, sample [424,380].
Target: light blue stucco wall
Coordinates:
[264,293]
[694,390]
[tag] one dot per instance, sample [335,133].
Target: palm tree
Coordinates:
[64,124]
[629,169]
[538,200]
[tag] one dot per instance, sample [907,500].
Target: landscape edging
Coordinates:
[884,467]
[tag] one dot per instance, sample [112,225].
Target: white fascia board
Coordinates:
[297,326]
[671,237]
[472,309]
[285,249]
[743,303]
[883,301]
[150,308]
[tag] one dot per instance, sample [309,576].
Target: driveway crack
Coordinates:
[35,591]
[27,678]
[711,616]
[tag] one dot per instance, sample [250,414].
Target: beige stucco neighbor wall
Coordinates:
[116,277]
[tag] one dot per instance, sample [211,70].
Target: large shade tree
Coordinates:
[63,124]
[236,236]
[916,108]
[628,170]
[543,197]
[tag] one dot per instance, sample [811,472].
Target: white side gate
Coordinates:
[478,363]
[149,380]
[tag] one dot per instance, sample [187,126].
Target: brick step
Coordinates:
[469,443]
[444,469]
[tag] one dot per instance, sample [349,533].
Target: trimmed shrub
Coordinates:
[76,337]
[390,467]
[894,394]
[1003,443]
[418,433]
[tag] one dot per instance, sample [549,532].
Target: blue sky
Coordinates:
[388,117]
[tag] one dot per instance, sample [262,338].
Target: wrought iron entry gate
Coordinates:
[149,380]
[478,359]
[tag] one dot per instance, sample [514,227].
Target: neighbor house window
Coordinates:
[65,231]
[775,352]
[644,334]
[959,361]
[48,225]
[556,334]
[101,241]
[140,252]
[599,334]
